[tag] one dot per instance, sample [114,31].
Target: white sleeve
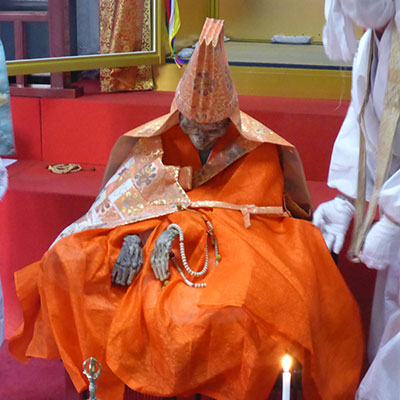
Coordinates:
[343,170]
[338,35]
[389,198]
[370,14]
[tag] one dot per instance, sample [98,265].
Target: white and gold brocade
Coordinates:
[145,188]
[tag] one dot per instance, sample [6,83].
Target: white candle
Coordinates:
[286,363]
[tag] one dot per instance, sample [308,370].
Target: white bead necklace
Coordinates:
[186,280]
[190,271]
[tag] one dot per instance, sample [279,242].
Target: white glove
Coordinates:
[382,245]
[3,179]
[333,218]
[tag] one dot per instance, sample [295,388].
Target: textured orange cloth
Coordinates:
[125,26]
[276,289]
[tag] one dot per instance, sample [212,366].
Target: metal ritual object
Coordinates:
[92,369]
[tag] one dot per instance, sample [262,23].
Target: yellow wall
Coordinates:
[193,14]
[254,19]
[261,19]
[275,82]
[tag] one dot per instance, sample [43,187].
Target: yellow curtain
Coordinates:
[125,25]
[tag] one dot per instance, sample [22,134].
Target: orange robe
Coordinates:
[275,290]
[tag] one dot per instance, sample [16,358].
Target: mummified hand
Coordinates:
[129,261]
[160,256]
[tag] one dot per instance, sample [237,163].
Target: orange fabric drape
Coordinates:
[125,26]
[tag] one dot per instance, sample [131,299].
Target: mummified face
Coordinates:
[203,136]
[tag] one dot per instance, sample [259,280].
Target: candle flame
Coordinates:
[286,362]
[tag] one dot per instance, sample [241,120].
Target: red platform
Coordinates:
[83,130]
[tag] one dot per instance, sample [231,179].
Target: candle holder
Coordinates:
[92,369]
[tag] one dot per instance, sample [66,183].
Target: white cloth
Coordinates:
[3,179]
[369,14]
[381,248]
[381,381]
[343,172]
[338,36]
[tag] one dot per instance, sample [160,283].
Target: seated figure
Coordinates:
[191,273]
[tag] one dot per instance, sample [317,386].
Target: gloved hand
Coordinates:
[333,218]
[382,245]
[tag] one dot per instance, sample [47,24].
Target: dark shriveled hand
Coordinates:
[160,256]
[129,261]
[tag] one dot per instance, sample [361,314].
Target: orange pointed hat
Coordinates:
[206,92]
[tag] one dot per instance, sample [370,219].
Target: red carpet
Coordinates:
[46,380]
[37,380]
